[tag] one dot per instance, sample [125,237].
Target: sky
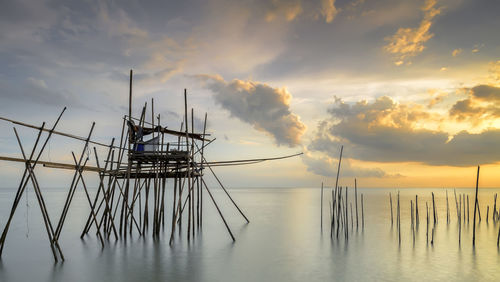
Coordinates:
[410,89]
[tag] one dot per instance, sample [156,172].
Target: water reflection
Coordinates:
[283,242]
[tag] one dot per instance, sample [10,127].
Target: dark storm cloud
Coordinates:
[264,107]
[385,131]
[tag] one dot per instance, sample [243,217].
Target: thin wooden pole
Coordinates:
[434,209]
[427,222]
[225,191]
[43,211]
[487,213]
[220,213]
[24,181]
[417,217]
[338,168]
[72,189]
[475,209]
[201,177]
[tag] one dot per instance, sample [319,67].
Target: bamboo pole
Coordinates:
[94,216]
[417,217]
[495,207]
[24,181]
[411,215]
[201,168]
[487,213]
[31,177]
[72,189]
[475,208]
[434,209]
[220,213]
[225,191]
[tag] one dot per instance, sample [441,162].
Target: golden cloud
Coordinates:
[387,131]
[328,10]
[409,42]
[287,9]
[456,52]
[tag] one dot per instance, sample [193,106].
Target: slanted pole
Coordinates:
[218,210]
[24,181]
[475,209]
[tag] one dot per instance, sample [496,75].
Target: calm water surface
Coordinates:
[283,242]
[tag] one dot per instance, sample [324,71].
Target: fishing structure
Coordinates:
[130,197]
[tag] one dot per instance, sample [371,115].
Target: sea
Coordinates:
[288,238]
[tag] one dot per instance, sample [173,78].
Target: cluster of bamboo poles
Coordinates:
[131,191]
[462,205]
[341,211]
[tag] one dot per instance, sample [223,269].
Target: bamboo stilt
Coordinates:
[475,209]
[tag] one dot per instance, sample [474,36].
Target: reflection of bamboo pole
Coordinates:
[356,200]
[427,223]
[346,226]
[460,224]
[399,221]
[352,217]
[498,237]
[362,212]
[447,208]
[390,200]
[321,208]
[475,208]
[456,203]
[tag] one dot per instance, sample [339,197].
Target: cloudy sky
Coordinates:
[411,89]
